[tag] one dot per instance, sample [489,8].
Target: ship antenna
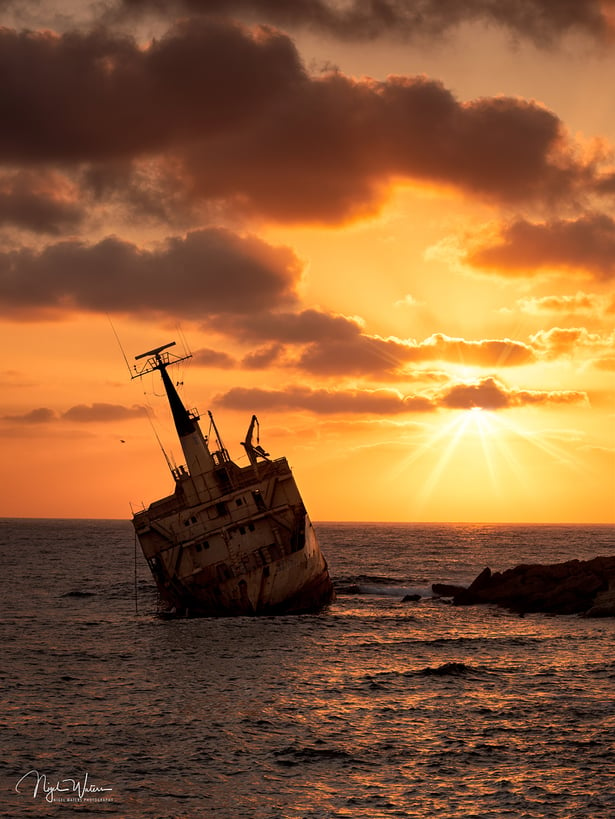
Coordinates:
[166,457]
[215,428]
[185,345]
[135,578]
[117,338]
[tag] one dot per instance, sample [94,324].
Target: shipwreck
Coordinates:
[230,540]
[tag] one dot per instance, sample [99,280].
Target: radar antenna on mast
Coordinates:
[155,351]
[186,423]
[157,359]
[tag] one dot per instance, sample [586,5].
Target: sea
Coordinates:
[378,706]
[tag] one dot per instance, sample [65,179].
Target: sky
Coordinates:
[386,227]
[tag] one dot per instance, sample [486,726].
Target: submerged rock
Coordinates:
[447,589]
[573,587]
[347,588]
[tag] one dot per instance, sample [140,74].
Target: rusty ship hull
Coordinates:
[230,540]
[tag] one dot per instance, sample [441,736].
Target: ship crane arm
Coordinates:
[254,450]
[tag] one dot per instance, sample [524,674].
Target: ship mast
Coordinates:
[194,446]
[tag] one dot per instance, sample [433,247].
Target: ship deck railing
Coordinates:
[240,478]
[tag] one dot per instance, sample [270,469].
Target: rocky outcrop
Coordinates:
[574,587]
[604,604]
[447,590]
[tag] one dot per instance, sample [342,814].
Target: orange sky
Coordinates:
[391,237]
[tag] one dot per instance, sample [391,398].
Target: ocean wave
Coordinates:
[382,586]
[299,755]
[450,669]
[78,593]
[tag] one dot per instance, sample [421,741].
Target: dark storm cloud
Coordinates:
[487,393]
[206,272]
[40,201]
[217,113]
[585,245]
[541,20]
[99,95]
[328,151]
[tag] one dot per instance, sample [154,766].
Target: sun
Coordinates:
[478,461]
[469,429]
[471,438]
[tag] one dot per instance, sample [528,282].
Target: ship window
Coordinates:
[239,501]
[193,519]
[221,508]
[206,544]
[242,530]
[198,547]
[251,527]
[186,523]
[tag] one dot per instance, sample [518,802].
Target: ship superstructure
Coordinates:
[230,540]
